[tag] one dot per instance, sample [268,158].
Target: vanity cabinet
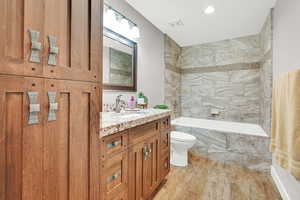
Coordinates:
[51,38]
[135,162]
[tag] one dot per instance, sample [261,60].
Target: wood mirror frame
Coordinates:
[120,38]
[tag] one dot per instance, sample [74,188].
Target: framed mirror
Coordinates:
[119,62]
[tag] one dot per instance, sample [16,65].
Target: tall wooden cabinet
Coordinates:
[21,145]
[50,86]
[53,159]
[63,35]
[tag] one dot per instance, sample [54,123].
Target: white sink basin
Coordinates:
[129,115]
[124,114]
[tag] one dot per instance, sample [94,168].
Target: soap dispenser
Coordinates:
[132,103]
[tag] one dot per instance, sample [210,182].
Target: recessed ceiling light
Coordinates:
[209,10]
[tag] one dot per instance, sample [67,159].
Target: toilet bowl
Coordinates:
[180,144]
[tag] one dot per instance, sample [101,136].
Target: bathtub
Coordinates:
[241,144]
[222,126]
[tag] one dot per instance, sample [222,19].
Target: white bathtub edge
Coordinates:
[177,122]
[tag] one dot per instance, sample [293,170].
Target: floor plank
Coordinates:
[208,180]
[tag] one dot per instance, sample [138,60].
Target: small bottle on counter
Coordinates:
[142,101]
[132,103]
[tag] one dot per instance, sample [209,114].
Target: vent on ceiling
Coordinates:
[176,23]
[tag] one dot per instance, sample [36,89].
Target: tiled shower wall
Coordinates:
[172,76]
[221,80]
[266,73]
[231,78]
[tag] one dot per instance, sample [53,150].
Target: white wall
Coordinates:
[150,57]
[286,57]
[286,36]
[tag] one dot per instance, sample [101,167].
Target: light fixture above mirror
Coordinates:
[120,24]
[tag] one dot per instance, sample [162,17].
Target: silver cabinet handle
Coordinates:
[147,152]
[114,144]
[115,176]
[53,51]
[36,46]
[34,108]
[53,106]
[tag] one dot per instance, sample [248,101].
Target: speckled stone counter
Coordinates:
[111,123]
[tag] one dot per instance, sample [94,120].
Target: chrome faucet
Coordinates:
[119,104]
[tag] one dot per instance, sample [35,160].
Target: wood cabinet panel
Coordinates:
[21,144]
[76,25]
[78,39]
[164,166]
[150,167]
[71,142]
[143,169]
[16,18]
[114,144]
[141,133]
[51,159]
[165,142]
[114,177]
[165,124]
[136,157]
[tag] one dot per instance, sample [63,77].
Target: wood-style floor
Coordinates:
[208,180]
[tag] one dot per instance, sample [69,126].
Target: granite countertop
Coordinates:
[111,123]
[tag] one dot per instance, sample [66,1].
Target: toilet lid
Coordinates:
[180,136]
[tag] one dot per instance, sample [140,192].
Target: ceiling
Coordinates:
[232,18]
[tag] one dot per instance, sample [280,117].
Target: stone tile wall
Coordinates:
[234,94]
[239,50]
[172,76]
[266,74]
[231,148]
[223,77]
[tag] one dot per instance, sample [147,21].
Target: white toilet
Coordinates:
[180,144]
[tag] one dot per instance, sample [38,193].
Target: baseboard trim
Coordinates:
[284,194]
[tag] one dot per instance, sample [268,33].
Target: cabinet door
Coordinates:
[150,167]
[17,17]
[21,144]
[164,165]
[76,25]
[71,143]
[143,169]
[136,157]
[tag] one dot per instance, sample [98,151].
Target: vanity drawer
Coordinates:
[165,142]
[165,124]
[140,133]
[114,144]
[164,166]
[114,177]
